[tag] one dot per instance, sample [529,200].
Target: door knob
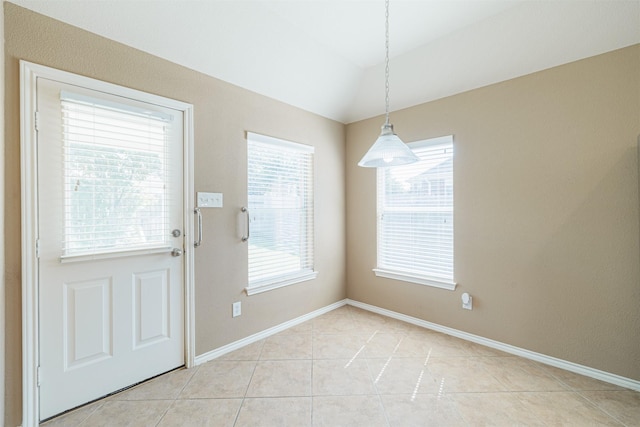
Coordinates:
[176,252]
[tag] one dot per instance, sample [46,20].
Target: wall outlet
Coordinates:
[467,301]
[236,309]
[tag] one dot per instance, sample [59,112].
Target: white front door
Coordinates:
[110,240]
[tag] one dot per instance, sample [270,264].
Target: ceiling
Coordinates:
[327,56]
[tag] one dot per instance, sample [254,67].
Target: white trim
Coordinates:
[114,254]
[280,283]
[507,348]
[190,236]
[279,142]
[2,234]
[28,198]
[220,351]
[29,72]
[431,142]
[415,279]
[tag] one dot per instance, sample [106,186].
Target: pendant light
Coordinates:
[388,150]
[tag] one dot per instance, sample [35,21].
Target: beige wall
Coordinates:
[546,212]
[546,175]
[222,113]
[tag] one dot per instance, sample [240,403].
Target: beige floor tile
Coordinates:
[338,346]
[380,324]
[383,344]
[429,345]
[166,387]
[202,412]
[345,310]
[493,409]
[75,417]
[517,374]
[328,324]
[219,379]
[402,376]
[354,368]
[481,350]
[422,410]
[579,382]
[624,406]
[120,413]
[463,374]
[442,345]
[283,347]
[280,378]
[302,328]
[248,352]
[398,326]
[564,408]
[275,412]
[348,411]
[341,377]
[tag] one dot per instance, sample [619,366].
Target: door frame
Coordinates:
[29,73]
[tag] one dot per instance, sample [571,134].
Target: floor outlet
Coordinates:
[236,309]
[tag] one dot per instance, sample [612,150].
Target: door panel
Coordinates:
[87,322]
[113,317]
[151,307]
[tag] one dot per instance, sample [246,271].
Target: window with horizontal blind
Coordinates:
[280,203]
[115,166]
[415,216]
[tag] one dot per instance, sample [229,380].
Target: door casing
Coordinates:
[29,73]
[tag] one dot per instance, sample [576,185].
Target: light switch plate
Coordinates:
[209,200]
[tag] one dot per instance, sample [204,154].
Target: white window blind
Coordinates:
[415,216]
[280,202]
[115,165]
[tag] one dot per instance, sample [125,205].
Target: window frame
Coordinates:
[389,271]
[307,272]
[77,110]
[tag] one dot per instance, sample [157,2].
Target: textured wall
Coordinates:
[222,114]
[546,212]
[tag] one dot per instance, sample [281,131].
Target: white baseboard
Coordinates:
[548,360]
[507,348]
[213,354]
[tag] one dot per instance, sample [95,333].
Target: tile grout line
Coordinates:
[594,404]
[244,397]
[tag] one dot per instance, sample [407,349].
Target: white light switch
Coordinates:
[209,200]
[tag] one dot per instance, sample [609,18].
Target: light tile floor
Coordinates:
[353,368]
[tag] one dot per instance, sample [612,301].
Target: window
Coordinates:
[415,217]
[115,165]
[280,202]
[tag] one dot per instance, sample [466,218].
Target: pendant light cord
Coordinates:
[386,68]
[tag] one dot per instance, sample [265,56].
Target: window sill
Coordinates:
[421,280]
[279,282]
[115,254]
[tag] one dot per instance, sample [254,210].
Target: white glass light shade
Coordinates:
[388,150]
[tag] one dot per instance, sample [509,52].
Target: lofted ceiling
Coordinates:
[327,56]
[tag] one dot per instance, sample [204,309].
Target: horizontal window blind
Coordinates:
[115,166]
[415,213]
[280,201]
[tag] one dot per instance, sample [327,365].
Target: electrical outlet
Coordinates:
[467,301]
[236,309]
